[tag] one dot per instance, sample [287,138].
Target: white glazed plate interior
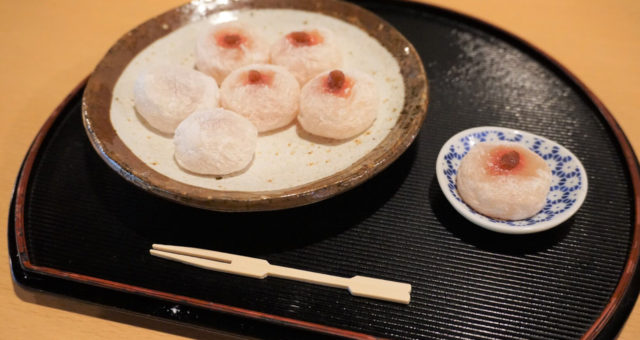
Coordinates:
[568,184]
[280,155]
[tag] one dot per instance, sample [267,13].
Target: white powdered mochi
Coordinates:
[307,52]
[222,48]
[167,94]
[339,104]
[215,142]
[503,180]
[267,95]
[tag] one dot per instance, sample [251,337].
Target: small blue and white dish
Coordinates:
[568,184]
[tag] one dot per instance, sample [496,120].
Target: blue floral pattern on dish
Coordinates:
[567,177]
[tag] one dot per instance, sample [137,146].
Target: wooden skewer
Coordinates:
[259,268]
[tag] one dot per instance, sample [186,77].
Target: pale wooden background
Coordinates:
[47,47]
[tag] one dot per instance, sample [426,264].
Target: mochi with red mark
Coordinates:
[306,53]
[267,95]
[222,48]
[503,180]
[339,104]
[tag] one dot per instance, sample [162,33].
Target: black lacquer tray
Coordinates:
[78,229]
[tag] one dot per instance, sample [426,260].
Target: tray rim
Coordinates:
[595,330]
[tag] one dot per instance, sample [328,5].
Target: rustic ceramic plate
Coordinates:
[106,114]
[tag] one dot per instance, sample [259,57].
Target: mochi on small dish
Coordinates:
[503,180]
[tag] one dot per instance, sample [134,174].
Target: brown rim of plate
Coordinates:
[97,97]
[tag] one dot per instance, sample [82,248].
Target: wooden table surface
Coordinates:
[49,46]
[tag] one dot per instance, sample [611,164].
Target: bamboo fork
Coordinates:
[259,268]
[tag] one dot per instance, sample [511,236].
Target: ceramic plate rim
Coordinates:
[97,100]
[480,220]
